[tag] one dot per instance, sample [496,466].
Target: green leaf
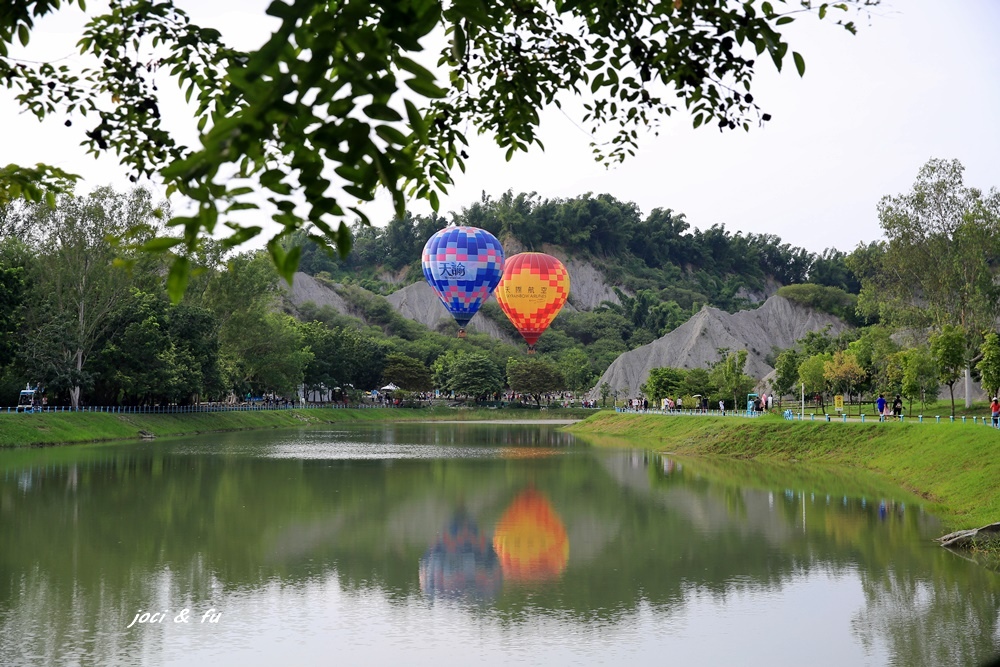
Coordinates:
[271,179]
[344,240]
[800,63]
[458,44]
[291,264]
[382,112]
[391,135]
[177,279]
[427,88]
[242,235]
[277,253]
[23,34]
[417,122]
[242,206]
[414,68]
[160,244]
[596,83]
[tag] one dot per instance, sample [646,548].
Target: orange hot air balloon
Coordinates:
[530,539]
[531,293]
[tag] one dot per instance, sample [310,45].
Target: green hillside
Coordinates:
[661,269]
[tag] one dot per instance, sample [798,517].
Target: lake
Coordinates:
[458,544]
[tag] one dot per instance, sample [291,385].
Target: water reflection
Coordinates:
[390,557]
[461,563]
[531,539]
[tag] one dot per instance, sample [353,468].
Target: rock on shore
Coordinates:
[963,539]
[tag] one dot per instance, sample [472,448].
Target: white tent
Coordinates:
[389,387]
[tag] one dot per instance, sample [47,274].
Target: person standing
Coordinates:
[722,408]
[995,412]
[880,407]
[897,406]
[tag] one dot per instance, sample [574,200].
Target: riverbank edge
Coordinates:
[68,428]
[952,466]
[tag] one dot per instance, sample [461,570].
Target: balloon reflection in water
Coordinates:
[461,563]
[530,539]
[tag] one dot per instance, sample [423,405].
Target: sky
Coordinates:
[918,81]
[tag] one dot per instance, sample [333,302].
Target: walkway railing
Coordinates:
[793,416]
[185,409]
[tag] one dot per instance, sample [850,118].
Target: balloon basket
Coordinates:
[461,333]
[531,349]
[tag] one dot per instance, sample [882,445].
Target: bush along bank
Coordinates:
[55,428]
[955,467]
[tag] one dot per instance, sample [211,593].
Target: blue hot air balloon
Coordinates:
[463,265]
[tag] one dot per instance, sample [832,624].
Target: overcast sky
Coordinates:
[920,80]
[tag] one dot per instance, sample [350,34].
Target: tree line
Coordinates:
[86,312]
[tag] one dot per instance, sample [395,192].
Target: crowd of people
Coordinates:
[763,403]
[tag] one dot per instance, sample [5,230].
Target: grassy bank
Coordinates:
[954,466]
[52,428]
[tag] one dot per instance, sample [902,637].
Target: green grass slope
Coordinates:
[21,430]
[955,466]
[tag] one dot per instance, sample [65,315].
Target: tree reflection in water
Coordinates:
[89,535]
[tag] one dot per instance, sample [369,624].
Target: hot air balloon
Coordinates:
[533,289]
[463,265]
[530,539]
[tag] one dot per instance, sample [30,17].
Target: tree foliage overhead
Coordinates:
[342,99]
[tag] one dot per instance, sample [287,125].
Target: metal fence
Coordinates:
[183,409]
[796,416]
